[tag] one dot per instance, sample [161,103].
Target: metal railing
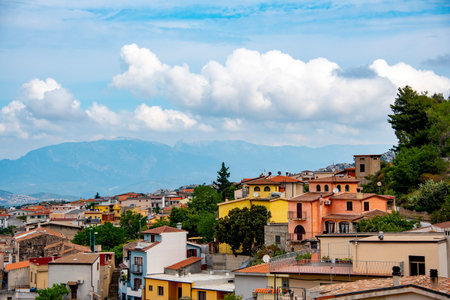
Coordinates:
[297,215]
[333,267]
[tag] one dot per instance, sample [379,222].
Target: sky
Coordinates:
[309,73]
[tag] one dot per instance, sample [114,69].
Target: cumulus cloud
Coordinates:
[274,86]
[156,118]
[103,115]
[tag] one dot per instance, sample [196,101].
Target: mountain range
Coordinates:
[116,166]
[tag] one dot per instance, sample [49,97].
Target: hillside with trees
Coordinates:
[419,173]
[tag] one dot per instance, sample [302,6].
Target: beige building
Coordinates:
[39,271]
[366,165]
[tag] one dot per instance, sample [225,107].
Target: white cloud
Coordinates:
[102,115]
[36,89]
[156,118]
[232,124]
[273,86]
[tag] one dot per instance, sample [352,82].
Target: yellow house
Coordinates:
[39,271]
[198,286]
[108,207]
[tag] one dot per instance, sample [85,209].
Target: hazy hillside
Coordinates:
[115,166]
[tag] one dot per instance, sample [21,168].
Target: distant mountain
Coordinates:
[115,166]
[51,196]
[8,198]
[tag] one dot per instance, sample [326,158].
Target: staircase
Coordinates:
[114,286]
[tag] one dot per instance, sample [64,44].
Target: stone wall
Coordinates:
[227,262]
[34,246]
[274,230]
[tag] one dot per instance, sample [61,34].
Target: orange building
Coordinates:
[331,207]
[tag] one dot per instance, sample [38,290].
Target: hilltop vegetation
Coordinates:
[418,176]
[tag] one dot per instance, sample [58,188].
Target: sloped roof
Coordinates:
[348,217]
[17,265]
[262,181]
[371,285]
[310,196]
[36,232]
[358,196]
[443,225]
[78,258]
[261,268]
[281,178]
[184,263]
[163,229]
[335,179]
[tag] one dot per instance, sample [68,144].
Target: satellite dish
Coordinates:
[255,194]
[335,190]
[266,258]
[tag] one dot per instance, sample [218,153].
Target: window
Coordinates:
[349,205]
[317,188]
[137,283]
[180,292]
[73,291]
[138,260]
[362,168]
[257,189]
[201,295]
[344,227]
[366,206]
[347,188]
[191,252]
[338,187]
[266,189]
[326,189]
[160,291]
[416,265]
[277,239]
[150,288]
[98,266]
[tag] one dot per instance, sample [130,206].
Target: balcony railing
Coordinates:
[296,237]
[297,215]
[333,267]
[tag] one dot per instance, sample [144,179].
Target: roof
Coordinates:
[281,178]
[78,258]
[367,155]
[358,196]
[37,232]
[17,265]
[204,281]
[142,246]
[310,196]
[371,285]
[410,237]
[184,263]
[443,225]
[268,291]
[39,261]
[262,181]
[371,214]
[69,245]
[261,268]
[335,179]
[348,217]
[163,229]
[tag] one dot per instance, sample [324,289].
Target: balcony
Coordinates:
[297,215]
[296,237]
[289,264]
[137,269]
[133,293]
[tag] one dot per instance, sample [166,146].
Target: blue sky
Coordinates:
[269,72]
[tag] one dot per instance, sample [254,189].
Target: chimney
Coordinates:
[434,279]
[396,275]
[179,225]
[359,193]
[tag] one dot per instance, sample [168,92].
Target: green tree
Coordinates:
[97,196]
[205,227]
[439,132]
[106,235]
[159,222]
[224,187]
[243,228]
[133,223]
[388,223]
[157,209]
[443,214]
[232,296]
[56,292]
[204,199]
[430,196]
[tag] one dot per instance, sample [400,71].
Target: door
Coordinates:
[299,210]
[299,232]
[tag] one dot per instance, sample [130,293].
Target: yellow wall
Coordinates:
[39,276]
[154,293]
[279,211]
[171,290]
[261,192]
[210,295]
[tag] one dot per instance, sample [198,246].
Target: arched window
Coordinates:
[347,188]
[257,189]
[266,189]
[299,231]
[344,227]
[318,188]
[339,187]
[326,188]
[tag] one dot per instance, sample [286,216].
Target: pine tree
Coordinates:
[224,186]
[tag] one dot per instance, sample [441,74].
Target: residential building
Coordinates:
[39,271]
[69,230]
[83,279]
[18,275]
[32,243]
[199,286]
[366,165]
[63,248]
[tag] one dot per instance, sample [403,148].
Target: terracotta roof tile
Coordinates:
[163,229]
[281,178]
[17,265]
[262,181]
[36,232]
[310,196]
[340,217]
[356,196]
[267,291]
[333,179]
[442,225]
[184,263]
[376,284]
[78,258]
[262,268]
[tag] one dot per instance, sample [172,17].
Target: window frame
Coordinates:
[160,290]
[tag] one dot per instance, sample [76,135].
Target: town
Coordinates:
[274,236]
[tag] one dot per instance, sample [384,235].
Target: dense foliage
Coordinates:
[56,292]
[422,126]
[106,235]
[133,223]
[243,228]
[389,223]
